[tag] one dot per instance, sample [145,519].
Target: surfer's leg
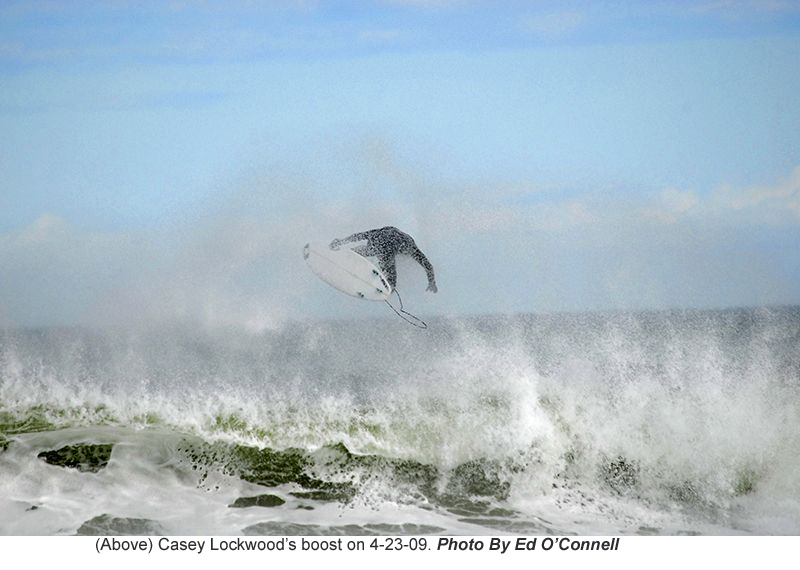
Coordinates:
[390,270]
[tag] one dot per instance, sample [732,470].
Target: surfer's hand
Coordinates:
[432,288]
[336,243]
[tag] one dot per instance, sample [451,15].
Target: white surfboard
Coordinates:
[347,271]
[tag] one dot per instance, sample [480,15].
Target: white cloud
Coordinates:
[777,204]
[472,213]
[45,228]
[671,205]
[780,202]
[678,201]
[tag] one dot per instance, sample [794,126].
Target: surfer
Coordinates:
[385,243]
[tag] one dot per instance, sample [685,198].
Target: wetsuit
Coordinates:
[385,244]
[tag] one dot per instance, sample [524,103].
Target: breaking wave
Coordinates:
[669,422]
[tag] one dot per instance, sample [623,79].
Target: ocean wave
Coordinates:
[679,422]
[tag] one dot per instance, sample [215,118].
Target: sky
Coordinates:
[166,161]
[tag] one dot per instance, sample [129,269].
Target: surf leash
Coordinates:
[403,314]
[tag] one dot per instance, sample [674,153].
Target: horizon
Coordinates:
[390,318]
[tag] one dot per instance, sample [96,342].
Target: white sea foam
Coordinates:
[662,422]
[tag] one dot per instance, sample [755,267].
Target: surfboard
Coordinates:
[345,270]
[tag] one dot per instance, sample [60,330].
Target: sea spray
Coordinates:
[670,422]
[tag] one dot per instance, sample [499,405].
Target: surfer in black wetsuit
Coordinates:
[385,244]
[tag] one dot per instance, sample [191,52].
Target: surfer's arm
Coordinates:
[420,258]
[355,237]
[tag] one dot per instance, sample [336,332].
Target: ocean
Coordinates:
[672,422]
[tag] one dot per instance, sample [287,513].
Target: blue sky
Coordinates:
[165,159]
